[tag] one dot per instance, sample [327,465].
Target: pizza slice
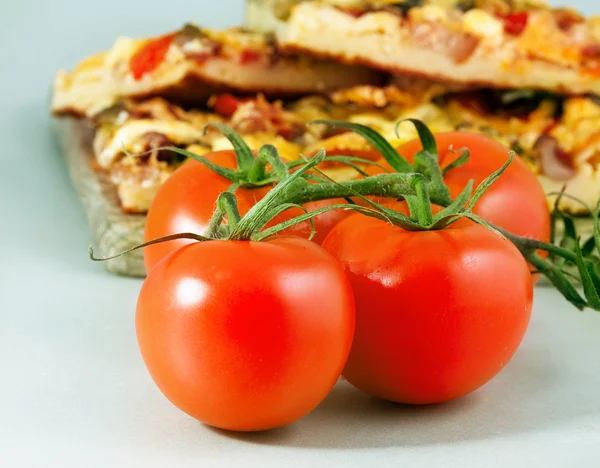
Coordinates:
[559,137]
[129,136]
[127,141]
[491,43]
[192,64]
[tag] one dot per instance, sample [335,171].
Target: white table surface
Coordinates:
[73,389]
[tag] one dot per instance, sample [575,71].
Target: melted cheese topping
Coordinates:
[287,149]
[128,138]
[577,132]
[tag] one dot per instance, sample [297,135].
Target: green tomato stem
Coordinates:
[227,204]
[392,185]
[420,205]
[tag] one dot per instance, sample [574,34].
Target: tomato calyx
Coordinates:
[426,161]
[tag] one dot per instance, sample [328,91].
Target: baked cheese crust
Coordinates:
[192,64]
[497,43]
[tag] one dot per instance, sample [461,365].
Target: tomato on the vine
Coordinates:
[186,203]
[246,335]
[438,313]
[515,202]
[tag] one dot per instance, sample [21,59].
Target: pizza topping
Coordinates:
[566,18]
[542,39]
[402,90]
[226,104]
[150,56]
[134,170]
[523,103]
[461,47]
[249,56]
[465,5]
[354,12]
[554,161]
[593,26]
[116,114]
[428,13]
[152,142]
[591,51]
[201,49]
[364,96]
[157,108]
[196,43]
[473,101]
[458,46]
[515,23]
[188,33]
[259,115]
[482,24]
[403,7]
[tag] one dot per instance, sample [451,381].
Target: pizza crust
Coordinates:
[424,46]
[103,79]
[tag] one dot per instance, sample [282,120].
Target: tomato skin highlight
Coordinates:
[246,336]
[187,200]
[438,313]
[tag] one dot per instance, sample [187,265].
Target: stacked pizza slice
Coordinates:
[516,70]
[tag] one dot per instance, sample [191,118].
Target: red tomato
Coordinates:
[186,202]
[438,313]
[150,56]
[515,202]
[243,335]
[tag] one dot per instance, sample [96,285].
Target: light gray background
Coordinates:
[73,389]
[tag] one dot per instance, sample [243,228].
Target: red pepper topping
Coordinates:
[150,56]
[227,104]
[515,23]
[249,56]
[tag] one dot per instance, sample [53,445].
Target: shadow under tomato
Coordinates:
[350,419]
[531,394]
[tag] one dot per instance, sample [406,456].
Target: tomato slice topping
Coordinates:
[227,104]
[150,56]
[515,23]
